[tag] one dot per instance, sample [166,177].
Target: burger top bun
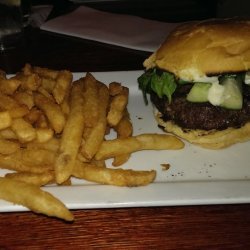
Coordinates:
[205,48]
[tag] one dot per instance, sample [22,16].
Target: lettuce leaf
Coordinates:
[162,83]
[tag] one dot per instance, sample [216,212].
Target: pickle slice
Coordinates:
[199,92]
[232,95]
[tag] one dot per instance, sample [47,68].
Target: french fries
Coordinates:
[96,134]
[116,177]
[5,119]
[52,111]
[40,179]
[71,136]
[53,129]
[33,198]
[124,129]
[118,104]
[111,148]
[8,147]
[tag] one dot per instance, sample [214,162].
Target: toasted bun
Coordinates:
[212,139]
[210,47]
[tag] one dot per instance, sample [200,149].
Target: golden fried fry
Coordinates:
[44,134]
[117,107]
[52,111]
[24,97]
[33,178]
[63,82]
[33,198]
[124,129]
[15,109]
[23,130]
[115,88]
[71,136]
[90,93]
[9,86]
[8,134]
[96,134]
[15,162]
[8,147]
[29,82]
[48,84]
[52,145]
[5,119]
[117,177]
[112,148]
[45,72]
[39,157]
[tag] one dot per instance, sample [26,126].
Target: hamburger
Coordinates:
[199,82]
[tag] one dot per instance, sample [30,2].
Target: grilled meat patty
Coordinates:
[204,116]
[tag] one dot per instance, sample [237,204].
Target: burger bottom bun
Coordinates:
[211,139]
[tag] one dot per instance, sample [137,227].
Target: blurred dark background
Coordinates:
[52,50]
[162,10]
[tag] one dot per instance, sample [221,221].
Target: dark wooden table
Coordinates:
[189,227]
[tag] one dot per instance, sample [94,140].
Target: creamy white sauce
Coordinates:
[247,78]
[193,75]
[216,94]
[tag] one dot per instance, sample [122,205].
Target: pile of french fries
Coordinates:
[53,128]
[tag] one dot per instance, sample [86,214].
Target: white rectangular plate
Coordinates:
[196,176]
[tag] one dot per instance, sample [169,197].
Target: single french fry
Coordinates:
[65,104]
[112,148]
[63,82]
[115,88]
[45,72]
[39,157]
[15,162]
[123,129]
[9,86]
[97,133]
[117,107]
[52,145]
[48,84]
[5,119]
[33,198]
[24,97]
[15,109]
[23,130]
[52,111]
[90,93]
[19,111]
[33,178]
[117,177]
[8,147]
[29,82]
[44,134]
[8,134]
[71,136]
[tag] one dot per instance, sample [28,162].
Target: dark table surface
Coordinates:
[182,227]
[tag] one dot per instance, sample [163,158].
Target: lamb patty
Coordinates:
[201,115]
